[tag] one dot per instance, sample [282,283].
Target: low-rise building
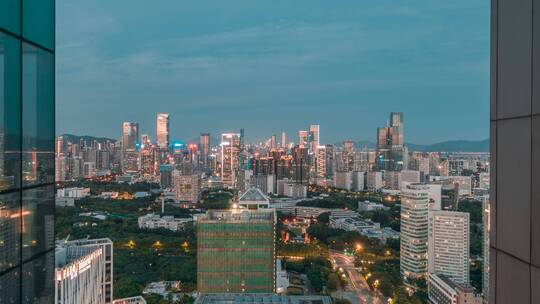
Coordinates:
[353,224]
[371,206]
[64,202]
[74,192]
[442,290]
[155,221]
[131,300]
[254,199]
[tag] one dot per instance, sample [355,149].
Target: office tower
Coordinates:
[236,251]
[130,135]
[442,290]
[303,138]
[84,272]
[515,148]
[391,152]
[414,231]
[204,147]
[314,136]
[186,188]
[273,144]
[162,131]
[27,148]
[230,153]
[448,245]
[283,140]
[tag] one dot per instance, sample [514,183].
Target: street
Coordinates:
[357,291]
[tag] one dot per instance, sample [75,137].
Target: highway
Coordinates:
[357,291]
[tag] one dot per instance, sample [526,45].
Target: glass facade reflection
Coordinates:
[27,151]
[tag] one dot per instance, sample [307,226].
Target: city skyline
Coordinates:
[342,70]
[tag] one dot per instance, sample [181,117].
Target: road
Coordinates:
[358,291]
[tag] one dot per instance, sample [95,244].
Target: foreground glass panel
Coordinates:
[10,112]
[38,118]
[37,221]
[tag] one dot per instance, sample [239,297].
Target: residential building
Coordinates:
[358,181]
[414,231]
[236,251]
[448,245]
[343,180]
[374,180]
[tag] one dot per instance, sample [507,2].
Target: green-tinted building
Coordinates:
[236,251]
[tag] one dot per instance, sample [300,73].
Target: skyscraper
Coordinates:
[230,153]
[162,130]
[448,245]
[27,147]
[314,135]
[414,230]
[130,135]
[283,139]
[303,138]
[391,151]
[236,251]
[204,147]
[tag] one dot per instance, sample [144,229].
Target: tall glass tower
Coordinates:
[27,127]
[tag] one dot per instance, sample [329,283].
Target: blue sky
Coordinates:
[269,66]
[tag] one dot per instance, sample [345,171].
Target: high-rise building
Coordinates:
[204,147]
[162,131]
[348,155]
[391,151]
[84,272]
[236,251]
[314,136]
[130,135]
[283,140]
[230,154]
[448,245]
[27,148]
[303,138]
[414,231]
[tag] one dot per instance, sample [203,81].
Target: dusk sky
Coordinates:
[272,66]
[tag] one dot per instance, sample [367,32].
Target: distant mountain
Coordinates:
[453,146]
[445,146]
[87,138]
